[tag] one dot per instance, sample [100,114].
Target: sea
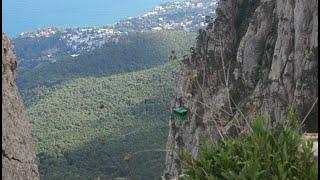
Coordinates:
[28,15]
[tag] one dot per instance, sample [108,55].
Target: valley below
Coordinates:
[91,112]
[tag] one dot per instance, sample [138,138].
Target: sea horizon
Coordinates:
[31,15]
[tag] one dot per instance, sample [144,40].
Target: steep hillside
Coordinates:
[260,57]
[18,156]
[86,127]
[33,48]
[133,52]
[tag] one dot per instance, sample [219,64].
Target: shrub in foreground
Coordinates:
[266,154]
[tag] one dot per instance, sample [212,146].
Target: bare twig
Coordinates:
[217,126]
[310,110]
[205,173]
[209,107]
[247,122]
[226,77]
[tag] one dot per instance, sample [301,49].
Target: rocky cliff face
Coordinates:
[18,155]
[259,57]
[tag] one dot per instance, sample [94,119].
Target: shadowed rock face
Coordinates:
[18,155]
[261,56]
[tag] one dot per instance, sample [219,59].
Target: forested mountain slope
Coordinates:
[133,52]
[85,127]
[89,112]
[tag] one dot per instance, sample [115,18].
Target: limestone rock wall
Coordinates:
[260,56]
[18,155]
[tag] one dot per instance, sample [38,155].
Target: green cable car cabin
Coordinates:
[180,114]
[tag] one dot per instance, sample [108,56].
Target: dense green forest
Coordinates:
[103,114]
[86,127]
[28,48]
[136,51]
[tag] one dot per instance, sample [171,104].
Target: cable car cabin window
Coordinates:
[180,114]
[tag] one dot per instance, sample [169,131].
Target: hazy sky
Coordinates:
[26,15]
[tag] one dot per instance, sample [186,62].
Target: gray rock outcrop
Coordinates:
[18,155]
[260,57]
